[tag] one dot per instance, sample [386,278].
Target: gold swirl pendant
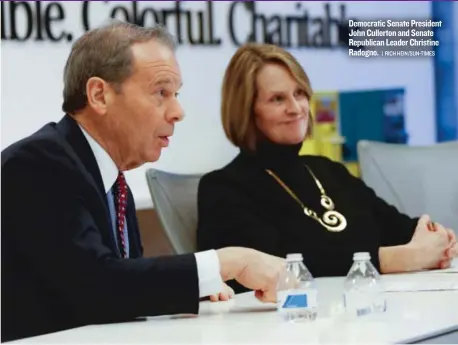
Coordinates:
[331,220]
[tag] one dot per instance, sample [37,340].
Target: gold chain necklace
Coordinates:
[332,220]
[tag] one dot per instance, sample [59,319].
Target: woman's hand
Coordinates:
[224,295]
[452,252]
[432,247]
[454,246]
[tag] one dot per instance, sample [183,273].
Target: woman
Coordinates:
[271,199]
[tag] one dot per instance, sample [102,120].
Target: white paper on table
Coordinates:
[433,285]
[445,270]
[433,280]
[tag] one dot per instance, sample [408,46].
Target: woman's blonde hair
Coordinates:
[239,89]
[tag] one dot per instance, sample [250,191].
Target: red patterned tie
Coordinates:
[121,203]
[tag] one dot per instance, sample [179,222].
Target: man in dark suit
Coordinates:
[71,249]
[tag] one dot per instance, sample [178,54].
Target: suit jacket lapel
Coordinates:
[88,166]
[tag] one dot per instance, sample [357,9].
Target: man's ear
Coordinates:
[97,90]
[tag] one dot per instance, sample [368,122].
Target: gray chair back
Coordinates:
[175,201]
[415,179]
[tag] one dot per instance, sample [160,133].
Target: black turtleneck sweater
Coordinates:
[242,205]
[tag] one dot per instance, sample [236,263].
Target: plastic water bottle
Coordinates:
[296,291]
[363,289]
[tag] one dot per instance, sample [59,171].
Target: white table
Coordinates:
[411,316]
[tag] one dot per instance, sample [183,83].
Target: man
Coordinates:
[71,249]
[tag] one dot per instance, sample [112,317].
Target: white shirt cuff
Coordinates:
[208,269]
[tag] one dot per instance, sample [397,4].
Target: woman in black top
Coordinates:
[271,199]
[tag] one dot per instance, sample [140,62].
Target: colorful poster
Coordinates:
[341,119]
[325,140]
[326,107]
[394,119]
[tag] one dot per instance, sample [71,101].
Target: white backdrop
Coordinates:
[32,81]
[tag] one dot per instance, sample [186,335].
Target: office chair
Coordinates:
[175,201]
[416,179]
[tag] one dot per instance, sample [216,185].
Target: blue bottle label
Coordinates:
[296,301]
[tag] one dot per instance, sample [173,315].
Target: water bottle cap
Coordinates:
[361,256]
[294,257]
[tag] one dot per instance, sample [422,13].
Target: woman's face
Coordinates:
[281,107]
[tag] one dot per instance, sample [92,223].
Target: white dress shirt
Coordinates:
[208,266]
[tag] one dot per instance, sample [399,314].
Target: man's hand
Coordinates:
[253,269]
[224,295]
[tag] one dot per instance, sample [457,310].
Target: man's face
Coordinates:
[143,114]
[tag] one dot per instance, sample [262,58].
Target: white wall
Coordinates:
[32,82]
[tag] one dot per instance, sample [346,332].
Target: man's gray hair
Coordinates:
[105,52]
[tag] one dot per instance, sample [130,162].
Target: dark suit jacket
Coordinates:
[241,205]
[60,263]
